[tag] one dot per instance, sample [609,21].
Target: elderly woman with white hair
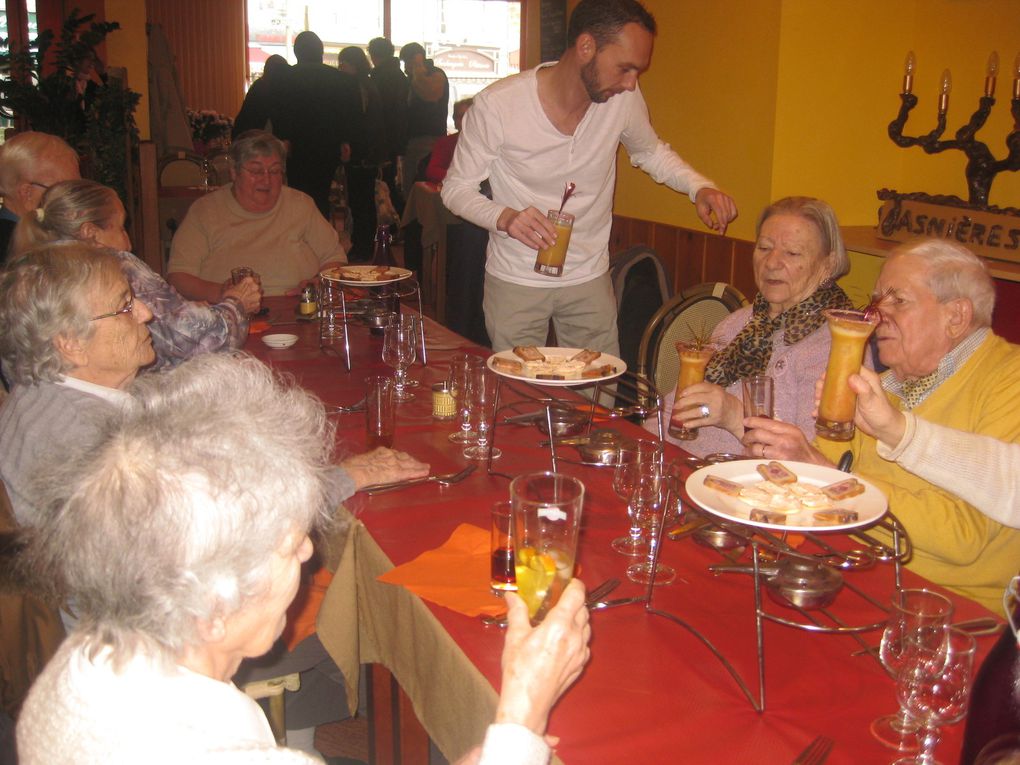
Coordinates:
[180,328]
[72,339]
[180,537]
[947,367]
[256,221]
[798,255]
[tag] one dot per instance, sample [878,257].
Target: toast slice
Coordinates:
[586,356]
[509,366]
[723,485]
[849,487]
[528,353]
[776,473]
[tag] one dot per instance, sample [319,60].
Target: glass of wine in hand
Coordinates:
[917,622]
[399,343]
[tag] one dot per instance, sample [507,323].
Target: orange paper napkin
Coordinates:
[454,575]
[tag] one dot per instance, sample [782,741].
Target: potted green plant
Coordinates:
[58,87]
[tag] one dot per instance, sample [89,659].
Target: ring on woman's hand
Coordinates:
[705,411]
[763,448]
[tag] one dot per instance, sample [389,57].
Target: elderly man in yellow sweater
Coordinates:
[946,366]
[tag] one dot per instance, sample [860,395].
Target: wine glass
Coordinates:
[399,351]
[916,622]
[482,385]
[460,368]
[638,482]
[654,515]
[934,687]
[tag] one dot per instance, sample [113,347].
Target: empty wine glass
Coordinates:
[934,687]
[460,367]
[482,385]
[651,570]
[399,350]
[637,481]
[916,622]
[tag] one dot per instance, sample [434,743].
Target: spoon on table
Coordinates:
[599,592]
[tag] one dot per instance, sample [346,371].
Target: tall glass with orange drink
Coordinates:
[850,332]
[550,259]
[694,357]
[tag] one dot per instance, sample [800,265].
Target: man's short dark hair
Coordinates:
[603,20]
[308,48]
[411,50]
[380,48]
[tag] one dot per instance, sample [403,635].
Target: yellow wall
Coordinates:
[778,97]
[128,47]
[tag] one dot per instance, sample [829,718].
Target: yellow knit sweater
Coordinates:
[954,544]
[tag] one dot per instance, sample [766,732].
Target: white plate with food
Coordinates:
[556,366]
[368,275]
[786,495]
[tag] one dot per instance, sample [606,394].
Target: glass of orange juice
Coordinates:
[550,259]
[546,509]
[694,357]
[850,332]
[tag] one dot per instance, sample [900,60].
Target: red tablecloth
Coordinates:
[652,692]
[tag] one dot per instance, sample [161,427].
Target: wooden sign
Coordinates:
[991,235]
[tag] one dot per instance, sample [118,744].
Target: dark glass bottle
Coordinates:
[383,256]
[995,698]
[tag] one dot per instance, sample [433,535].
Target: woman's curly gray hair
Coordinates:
[172,519]
[45,293]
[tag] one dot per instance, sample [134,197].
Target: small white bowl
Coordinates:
[279,341]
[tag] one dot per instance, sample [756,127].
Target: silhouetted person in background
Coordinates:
[316,109]
[392,84]
[258,102]
[366,154]
[427,104]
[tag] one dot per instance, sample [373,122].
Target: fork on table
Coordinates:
[816,753]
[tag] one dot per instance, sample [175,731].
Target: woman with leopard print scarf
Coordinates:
[798,255]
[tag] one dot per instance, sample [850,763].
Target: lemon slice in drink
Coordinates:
[535,572]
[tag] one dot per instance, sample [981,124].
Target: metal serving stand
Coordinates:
[636,392]
[382,300]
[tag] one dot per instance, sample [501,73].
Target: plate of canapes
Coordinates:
[786,496]
[556,366]
[365,274]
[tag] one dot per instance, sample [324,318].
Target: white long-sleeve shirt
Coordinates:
[981,470]
[508,139]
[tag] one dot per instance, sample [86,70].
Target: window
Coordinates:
[475,42]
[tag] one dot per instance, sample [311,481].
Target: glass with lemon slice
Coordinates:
[546,515]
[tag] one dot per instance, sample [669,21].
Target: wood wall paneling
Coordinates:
[208,42]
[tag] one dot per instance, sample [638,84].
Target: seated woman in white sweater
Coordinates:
[180,537]
[979,469]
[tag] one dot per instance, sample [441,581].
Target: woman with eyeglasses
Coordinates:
[256,221]
[180,328]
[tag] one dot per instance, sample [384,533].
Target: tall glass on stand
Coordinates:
[917,621]
[934,687]
[399,347]
[651,517]
[482,385]
[460,368]
[637,480]
[850,331]
[694,357]
[547,515]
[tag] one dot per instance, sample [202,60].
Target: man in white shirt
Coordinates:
[532,133]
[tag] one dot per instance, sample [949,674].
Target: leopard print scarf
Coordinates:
[750,351]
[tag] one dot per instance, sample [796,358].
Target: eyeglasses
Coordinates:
[128,308]
[260,172]
[1009,598]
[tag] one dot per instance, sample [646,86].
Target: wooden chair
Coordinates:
[693,312]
